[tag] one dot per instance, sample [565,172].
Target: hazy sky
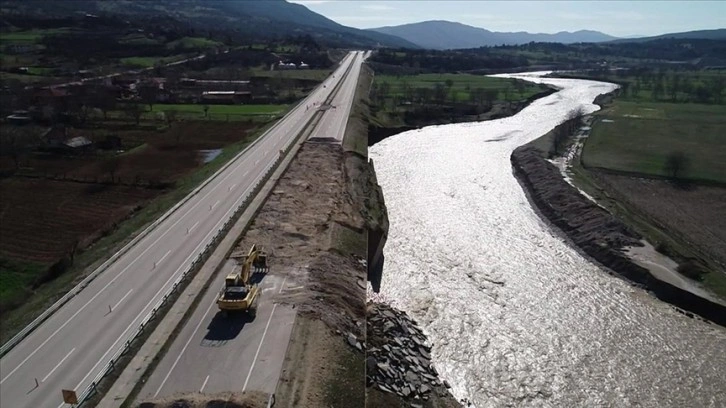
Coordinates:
[619,18]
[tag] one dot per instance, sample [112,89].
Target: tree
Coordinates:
[675,87]
[676,165]
[134,110]
[110,166]
[148,94]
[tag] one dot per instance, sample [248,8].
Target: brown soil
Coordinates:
[698,213]
[53,200]
[41,219]
[222,400]
[306,226]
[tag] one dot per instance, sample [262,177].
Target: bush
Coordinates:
[692,269]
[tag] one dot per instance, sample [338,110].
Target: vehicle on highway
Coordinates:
[238,293]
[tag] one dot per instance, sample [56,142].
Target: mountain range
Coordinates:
[255,19]
[441,35]
[262,20]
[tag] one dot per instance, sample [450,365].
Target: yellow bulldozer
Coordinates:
[238,293]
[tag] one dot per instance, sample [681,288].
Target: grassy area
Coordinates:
[14,320]
[15,279]
[459,87]
[30,36]
[638,137]
[221,109]
[305,74]
[673,86]
[147,62]
[192,43]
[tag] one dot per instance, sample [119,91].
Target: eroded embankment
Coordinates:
[435,116]
[596,232]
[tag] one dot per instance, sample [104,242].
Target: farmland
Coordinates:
[458,87]
[638,138]
[56,206]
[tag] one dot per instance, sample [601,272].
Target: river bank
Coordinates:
[435,117]
[598,234]
[517,316]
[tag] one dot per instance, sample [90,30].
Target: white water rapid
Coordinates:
[517,317]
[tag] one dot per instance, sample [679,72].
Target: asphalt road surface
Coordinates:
[214,353]
[76,343]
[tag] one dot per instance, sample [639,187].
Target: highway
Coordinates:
[213,353]
[76,343]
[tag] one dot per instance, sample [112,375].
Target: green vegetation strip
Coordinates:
[640,138]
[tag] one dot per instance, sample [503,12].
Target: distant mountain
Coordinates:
[254,18]
[717,34]
[449,35]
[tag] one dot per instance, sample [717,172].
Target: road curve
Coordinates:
[76,343]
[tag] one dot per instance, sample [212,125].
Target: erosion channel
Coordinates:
[516,316]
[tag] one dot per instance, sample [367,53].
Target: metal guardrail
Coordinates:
[201,258]
[88,279]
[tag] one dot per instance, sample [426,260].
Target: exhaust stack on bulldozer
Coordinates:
[238,293]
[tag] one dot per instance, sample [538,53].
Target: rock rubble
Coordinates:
[398,356]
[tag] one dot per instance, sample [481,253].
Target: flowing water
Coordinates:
[517,317]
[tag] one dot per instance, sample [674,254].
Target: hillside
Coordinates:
[251,19]
[449,35]
[717,34]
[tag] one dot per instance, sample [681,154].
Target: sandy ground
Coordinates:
[664,268]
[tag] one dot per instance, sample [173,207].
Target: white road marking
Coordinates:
[57,365]
[122,299]
[214,205]
[185,348]
[213,189]
[163,257]
[231,187]
[283,285]
[114,280]
[193,226]
[296,287]
[262,340]
[204,385]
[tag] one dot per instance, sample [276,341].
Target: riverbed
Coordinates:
[516,316]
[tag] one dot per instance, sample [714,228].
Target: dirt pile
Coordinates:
[596,232]
[399,360]
[222,400]
[314,234]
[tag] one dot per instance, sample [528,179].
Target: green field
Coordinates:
[221,109]
[461,85]
[192,43]
[147,62]
[642,135]
[29,36]
[306,74]
[196,112]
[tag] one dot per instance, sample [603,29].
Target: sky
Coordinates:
[615,17]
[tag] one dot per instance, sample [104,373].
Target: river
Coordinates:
[516,316]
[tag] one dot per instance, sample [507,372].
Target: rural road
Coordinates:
[213,353]
[77,342]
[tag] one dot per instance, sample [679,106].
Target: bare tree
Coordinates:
[110,166]
[676,165]
[134,110]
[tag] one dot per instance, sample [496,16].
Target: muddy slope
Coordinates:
[596,232]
